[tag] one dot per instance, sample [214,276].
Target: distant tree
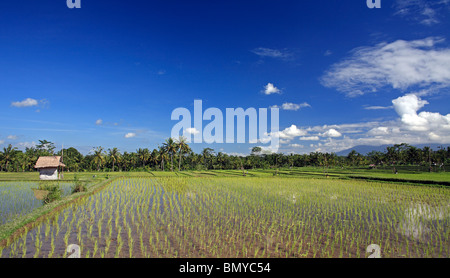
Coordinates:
[99,157]
[8,155]
[154,157]
[183,148]
[45,147]
[256,150]
[207,153]
[143,155]
[376,157]
[171,148]
[162,156]
[113,155]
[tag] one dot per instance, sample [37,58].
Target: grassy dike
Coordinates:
[12,230]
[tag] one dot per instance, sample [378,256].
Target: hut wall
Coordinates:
[48,173]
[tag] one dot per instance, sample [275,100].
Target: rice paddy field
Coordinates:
[239,217]
[17,198]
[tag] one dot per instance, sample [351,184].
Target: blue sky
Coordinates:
[110,73]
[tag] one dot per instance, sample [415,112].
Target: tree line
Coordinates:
[176,155]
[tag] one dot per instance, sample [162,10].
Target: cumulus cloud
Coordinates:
[25,103]
[379,131]
[271,89]
[192,130]
[331,133]
[310,138]
[99,122]
[12,137]
[400,65]
[130,135]
[407,108]
[408,104]
[291,132]
[2,142]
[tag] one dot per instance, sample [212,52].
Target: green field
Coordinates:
[223,214]
[405,174]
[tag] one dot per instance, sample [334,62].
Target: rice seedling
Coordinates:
[251,217]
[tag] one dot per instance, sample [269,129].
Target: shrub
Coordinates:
[78,186]
[54,192]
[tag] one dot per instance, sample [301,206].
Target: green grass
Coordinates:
[405,174]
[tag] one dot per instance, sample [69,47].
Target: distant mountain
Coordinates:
[367,149]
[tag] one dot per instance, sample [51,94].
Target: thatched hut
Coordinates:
[48,167]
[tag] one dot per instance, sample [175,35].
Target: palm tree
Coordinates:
[8,155]
[183,148]
[427,155]
[99,157]
[162,155]
[46,147]
[392,156]
[114,156]
[171,148]
[206,154]
[154,157]
[144,155]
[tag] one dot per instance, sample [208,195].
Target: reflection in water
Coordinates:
[418,220]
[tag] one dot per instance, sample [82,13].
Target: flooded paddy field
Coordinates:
[17,198]
[245,217]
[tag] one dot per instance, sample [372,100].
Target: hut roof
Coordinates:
[49,162]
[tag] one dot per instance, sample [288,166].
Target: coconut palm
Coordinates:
[154,157]
[171,148]
[8,155]
[206,154]
[183,148]
[162,156]
[114,155]
[99,157]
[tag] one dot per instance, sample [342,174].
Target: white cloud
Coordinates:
[328,53]
[12,137]
[400,65]
[272,53]
[310,138]
[271,89]
[379,131]
[378,107]
[408,104]
[426,12]
[290,133]
[2,142]
[236,154]
[331,133]
[192,130]
[25,103]
[99,122]
[296,146]
[407,107]
[292,106]
[24,145]
[130,135]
